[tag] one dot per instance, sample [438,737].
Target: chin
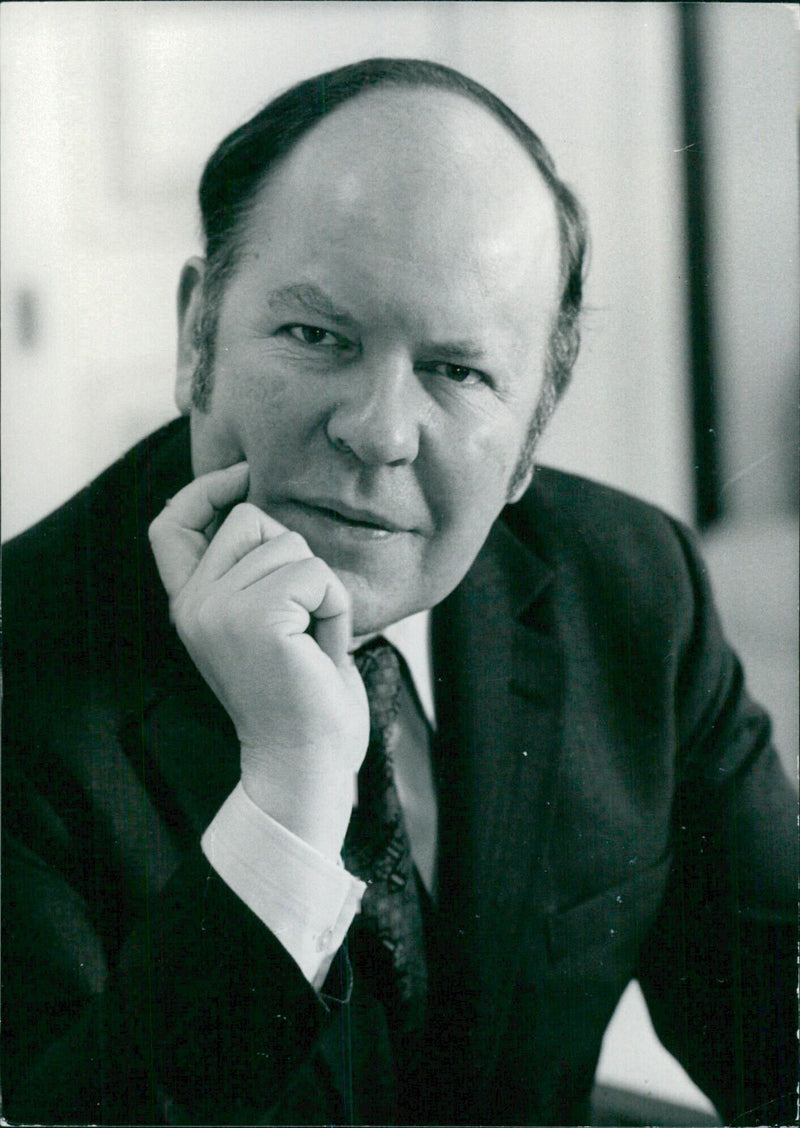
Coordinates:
[369,619]
[373,608]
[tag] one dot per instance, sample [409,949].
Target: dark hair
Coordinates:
[236,170]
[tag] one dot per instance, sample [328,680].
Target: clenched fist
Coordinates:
[268,625]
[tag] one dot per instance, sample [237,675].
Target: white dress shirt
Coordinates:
[307,901]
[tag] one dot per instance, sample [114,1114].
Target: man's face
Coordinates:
[381,345]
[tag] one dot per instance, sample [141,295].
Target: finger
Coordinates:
[334,635]
[196,505]
[262,561]
[244,529]
[177,534]
[333,621]
[322,599]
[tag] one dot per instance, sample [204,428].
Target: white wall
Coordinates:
[752,67]
[752,70]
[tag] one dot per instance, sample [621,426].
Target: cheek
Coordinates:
[499,453]
[269,413]
[256,400]
[256,418]
[488,452]
[473,474]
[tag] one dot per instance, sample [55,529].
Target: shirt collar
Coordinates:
[412,638]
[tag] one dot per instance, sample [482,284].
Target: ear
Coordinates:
[190,311]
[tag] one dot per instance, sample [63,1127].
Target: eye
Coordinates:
[459,373]
[314,335]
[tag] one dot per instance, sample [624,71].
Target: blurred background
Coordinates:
[676,123]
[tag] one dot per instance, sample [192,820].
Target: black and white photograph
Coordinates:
[400,562]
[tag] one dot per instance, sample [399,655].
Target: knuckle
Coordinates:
[241,516]
[245,521]
[296,543]
[246,511]
[316,568]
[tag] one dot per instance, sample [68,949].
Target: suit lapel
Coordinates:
[498,680]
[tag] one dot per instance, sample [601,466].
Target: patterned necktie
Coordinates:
[387,942]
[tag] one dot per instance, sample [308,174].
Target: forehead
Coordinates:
[400,130]
[420,152]
[408,183]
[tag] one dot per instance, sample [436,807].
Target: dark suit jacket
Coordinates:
[610,807]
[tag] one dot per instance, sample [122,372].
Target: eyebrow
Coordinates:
[455,352]
[308,297]
[315,302]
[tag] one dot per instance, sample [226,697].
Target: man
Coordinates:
[384,320]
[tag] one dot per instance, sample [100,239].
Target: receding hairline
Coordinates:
[395,93]
[352,139]
[241,158]
[495,128]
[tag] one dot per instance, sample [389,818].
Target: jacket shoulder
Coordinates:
[77,584]
[102,518]
[563,510]
[610,550]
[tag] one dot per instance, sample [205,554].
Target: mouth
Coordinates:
[365,521]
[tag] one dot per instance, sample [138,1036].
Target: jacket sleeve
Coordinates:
[719,968]
[197,1016]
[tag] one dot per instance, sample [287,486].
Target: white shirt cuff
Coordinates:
[304,899]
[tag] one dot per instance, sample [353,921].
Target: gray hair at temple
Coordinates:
[236,170]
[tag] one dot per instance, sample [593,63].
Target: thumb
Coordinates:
[332,625]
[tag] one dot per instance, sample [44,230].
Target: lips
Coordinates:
[355,516]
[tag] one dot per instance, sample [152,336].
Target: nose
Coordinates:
[379,417]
